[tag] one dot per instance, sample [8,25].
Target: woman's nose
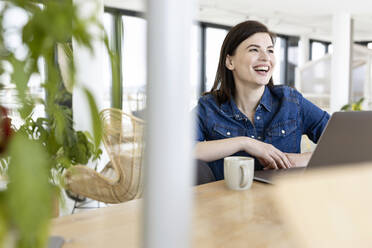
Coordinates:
[264,56]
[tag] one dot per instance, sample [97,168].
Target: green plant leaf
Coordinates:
[4,219]
[115,70]
[20,77]
[47,144]
[355,106]
[29,186]
[96,121]
[59,126]
[345,107]
[360,101]
[66,65]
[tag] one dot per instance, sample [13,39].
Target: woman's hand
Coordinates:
[269,156]
[299,159]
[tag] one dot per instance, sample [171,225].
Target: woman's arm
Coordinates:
[217,149]
[314,120]
[269,156]
[299,159]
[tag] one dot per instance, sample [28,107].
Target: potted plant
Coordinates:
[355,106]
[40,150]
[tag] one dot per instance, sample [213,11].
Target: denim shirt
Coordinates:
[282,116]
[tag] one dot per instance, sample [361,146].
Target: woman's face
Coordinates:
[253,61]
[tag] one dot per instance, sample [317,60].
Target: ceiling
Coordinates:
[290,17]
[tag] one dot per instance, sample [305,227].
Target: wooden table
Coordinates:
[325,208]
[221,218]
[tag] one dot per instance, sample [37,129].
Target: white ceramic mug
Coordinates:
[238,172]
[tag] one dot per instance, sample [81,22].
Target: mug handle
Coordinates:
[244,180]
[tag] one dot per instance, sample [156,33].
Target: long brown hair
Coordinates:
[224,86]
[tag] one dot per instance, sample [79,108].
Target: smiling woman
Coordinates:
[253,61]
[245,114]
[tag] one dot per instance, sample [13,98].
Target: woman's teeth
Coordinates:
[262,68]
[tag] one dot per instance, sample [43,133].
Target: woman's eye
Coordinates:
[271,51]
[253,50]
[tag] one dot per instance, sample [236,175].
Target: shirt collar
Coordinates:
[232,110]
[267,99]
[227,108]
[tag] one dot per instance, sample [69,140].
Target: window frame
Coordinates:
[202,42]
[324,43]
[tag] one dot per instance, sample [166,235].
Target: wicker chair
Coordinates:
[121,179]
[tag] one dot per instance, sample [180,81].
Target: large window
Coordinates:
[286,53]
[292,59]
[14,20]
[206,42]
[109,24]
[280,51]
[330,48]
[213,42]
[319,48]
[134,65]
[131,34]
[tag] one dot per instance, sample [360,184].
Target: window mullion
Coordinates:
[117,86]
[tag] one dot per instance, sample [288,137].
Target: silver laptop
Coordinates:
[346,139]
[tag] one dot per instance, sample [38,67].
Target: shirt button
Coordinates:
[252,136]
[259,137]
[258,117]
[228,133]
[283,131]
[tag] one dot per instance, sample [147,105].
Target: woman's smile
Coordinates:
[253,60]
[262,69]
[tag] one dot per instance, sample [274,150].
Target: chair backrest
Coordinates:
[124,143]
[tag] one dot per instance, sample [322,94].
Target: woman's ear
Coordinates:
[229,63]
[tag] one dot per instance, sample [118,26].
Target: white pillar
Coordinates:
[168,163]
[342,28]
[304,47]
[368,86]
[89,71]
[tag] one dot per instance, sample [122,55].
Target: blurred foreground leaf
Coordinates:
[28,197]
[96,121]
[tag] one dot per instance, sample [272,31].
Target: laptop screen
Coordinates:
[347,138]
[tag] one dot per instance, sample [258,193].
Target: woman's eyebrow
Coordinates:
[253,45]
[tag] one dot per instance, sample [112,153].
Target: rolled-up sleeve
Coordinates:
[200,118]
[314,120]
